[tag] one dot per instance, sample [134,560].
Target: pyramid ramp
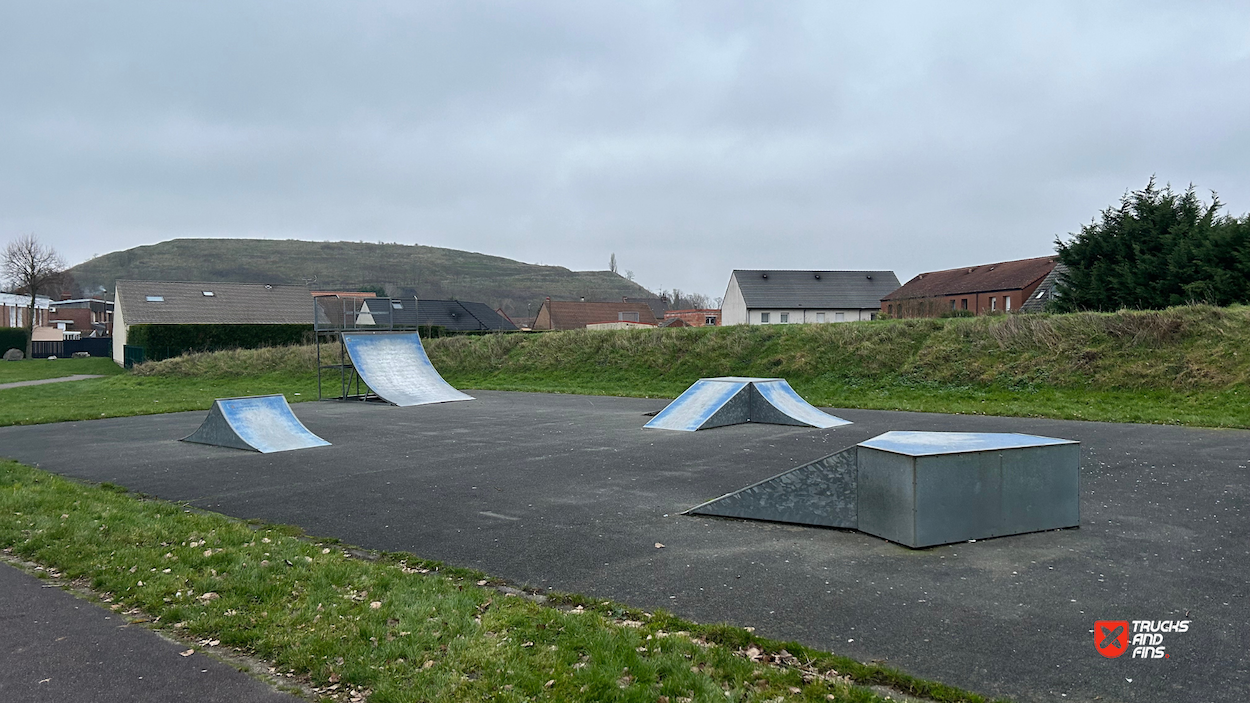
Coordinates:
[396,368]
[822,493]
[732,400]
[262,424]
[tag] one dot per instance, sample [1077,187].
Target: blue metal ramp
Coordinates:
[396,368]
[262,424]
[732,400]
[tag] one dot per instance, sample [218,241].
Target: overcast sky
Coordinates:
[689,138]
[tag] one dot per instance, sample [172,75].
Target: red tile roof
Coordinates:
[1005,275]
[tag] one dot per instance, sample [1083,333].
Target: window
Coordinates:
[839,317]
[763,318]
[1007,303]
[872,316]
[993,303]
[397,305]
[208,293]
[963,303]
[785,317]
[156,298]
[627,317]
[820,317]
[710,320]
[952,303]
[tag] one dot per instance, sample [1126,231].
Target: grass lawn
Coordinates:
[125,394]
[397,628]
[35,369]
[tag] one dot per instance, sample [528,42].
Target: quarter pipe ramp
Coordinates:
[262,424]
[396,368]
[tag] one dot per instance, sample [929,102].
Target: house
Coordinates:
[1046,291]
[88,317]
[621,325]
[461,316]
[988,288]
[181,303]
[15,306]
[571,315]
[657,305]
[694,317]
[788,297]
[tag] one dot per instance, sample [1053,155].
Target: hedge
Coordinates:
[12,338]
[165,341]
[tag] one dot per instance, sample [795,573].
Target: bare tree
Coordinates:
[612,263]
[30,267]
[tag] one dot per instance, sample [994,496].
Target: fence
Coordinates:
[95,346]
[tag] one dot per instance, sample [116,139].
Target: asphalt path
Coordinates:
[570,493]
[41,381]
[56,647]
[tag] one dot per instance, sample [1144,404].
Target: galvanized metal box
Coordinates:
[922,489]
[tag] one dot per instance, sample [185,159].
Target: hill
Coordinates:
[434,272]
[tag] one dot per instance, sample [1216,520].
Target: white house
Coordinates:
[790,297]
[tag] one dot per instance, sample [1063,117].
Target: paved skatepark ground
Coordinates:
[570,493]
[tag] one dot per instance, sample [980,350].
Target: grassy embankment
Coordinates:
[398,628]
[1187,365]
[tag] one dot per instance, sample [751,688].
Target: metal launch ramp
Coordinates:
[262,424]
[394,366]
[732,400]
[922,489]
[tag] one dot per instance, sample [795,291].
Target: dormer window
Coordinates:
[208,294]
[156,298]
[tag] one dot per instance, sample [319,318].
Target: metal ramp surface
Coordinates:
[822,493]
[921,489]
[262,424]
[732,400]
[395,366]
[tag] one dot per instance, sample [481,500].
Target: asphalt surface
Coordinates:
[41,381]
[57,647]
[568,492]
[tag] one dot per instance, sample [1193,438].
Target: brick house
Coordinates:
[980,290]
[695,317]
[572,315]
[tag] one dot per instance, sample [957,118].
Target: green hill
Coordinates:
[434,272]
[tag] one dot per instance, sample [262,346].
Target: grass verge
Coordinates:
[398,628]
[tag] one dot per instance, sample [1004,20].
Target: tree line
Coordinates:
[1156,249]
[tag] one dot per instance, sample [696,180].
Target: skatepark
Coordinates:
[571,493]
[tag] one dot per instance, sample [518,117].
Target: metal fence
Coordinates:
[95,346]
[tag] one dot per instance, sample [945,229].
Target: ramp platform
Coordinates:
[394,365]
[922,489]
[732,400]
[262,424]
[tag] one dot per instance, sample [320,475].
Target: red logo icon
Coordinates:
[1111,637]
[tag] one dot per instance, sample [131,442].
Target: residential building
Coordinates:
[182,303]
[621,325]
[89,317]
[790,297]
[657,305]
[979,290]
[14,308]
[572,315]
[694,317]
[1046,291]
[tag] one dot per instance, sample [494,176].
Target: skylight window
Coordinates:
[208,294]
[397,305]
[156,298]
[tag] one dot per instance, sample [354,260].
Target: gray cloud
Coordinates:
[688,138]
